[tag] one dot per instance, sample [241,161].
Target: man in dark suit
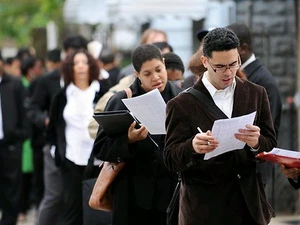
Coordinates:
[13,130]
[226,188]
[51,206]
[259,74]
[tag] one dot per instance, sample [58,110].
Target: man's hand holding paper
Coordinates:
[233,133]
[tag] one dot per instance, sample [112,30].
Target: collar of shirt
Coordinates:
[250,60]
[61,82]
[211,88]
[72,88]
[103,74]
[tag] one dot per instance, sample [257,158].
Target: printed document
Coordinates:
[150,110]
[281,156]
[285,153]
[224,129]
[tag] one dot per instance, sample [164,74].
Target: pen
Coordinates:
[200,131]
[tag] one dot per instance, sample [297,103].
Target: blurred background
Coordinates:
[41,25]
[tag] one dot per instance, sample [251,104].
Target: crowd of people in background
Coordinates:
[48,135]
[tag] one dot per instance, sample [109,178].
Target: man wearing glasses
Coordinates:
[224,189]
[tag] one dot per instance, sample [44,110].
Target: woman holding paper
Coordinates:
[143,188]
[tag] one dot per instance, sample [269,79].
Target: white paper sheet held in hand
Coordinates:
[150,110]
[224,129]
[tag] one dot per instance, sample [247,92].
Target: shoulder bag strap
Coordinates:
[128,92]
[211,106]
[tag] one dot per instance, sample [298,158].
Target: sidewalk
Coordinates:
[286,220]
[279,220]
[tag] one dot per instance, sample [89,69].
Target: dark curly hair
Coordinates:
[219,39]
[68,64]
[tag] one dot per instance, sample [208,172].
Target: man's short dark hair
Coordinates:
[76,42]
[219,39]
[23,53]
[242,32]
[173,61]
[53,55]
[107,56]
[145,53]
[26,64]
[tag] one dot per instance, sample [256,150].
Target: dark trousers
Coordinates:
[51,206]
[147,217]
[72,175]
[10,182]
[26,193]
[38,175]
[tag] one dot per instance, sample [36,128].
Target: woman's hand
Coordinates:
[250,135]
[135,135]
[204,143]
[292,173]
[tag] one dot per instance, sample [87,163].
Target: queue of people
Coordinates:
[58,109]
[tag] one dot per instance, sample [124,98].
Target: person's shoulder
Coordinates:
[247,84]
[55,74]
[259,73]
[175,89]
[14,82]
[115,100]
[182,98]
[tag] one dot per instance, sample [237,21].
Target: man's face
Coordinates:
[175,76]
[222,67]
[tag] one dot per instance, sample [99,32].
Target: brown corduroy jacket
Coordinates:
[225,189]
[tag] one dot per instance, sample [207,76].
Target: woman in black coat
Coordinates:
[70,113]
[143,188]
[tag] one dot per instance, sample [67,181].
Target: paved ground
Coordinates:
[279,220]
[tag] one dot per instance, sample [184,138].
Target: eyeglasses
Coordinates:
[223,68]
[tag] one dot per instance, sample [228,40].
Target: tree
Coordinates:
[19,17]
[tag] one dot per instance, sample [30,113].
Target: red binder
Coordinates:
[287,157]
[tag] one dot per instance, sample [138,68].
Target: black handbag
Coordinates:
[92,216]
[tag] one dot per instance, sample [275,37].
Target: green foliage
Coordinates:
[18,17]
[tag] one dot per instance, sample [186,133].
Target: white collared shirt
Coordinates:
[1,119]
[250,60]
[222,98]
[77,115]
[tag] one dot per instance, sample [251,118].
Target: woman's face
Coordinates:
[153,75]
[81,67]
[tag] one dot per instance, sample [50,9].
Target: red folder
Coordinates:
[280,156]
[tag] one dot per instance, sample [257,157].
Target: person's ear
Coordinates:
[204,61]
[243,48]
[136,74]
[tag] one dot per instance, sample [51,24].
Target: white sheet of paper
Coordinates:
[224,129]
[284,152]
[150,110]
